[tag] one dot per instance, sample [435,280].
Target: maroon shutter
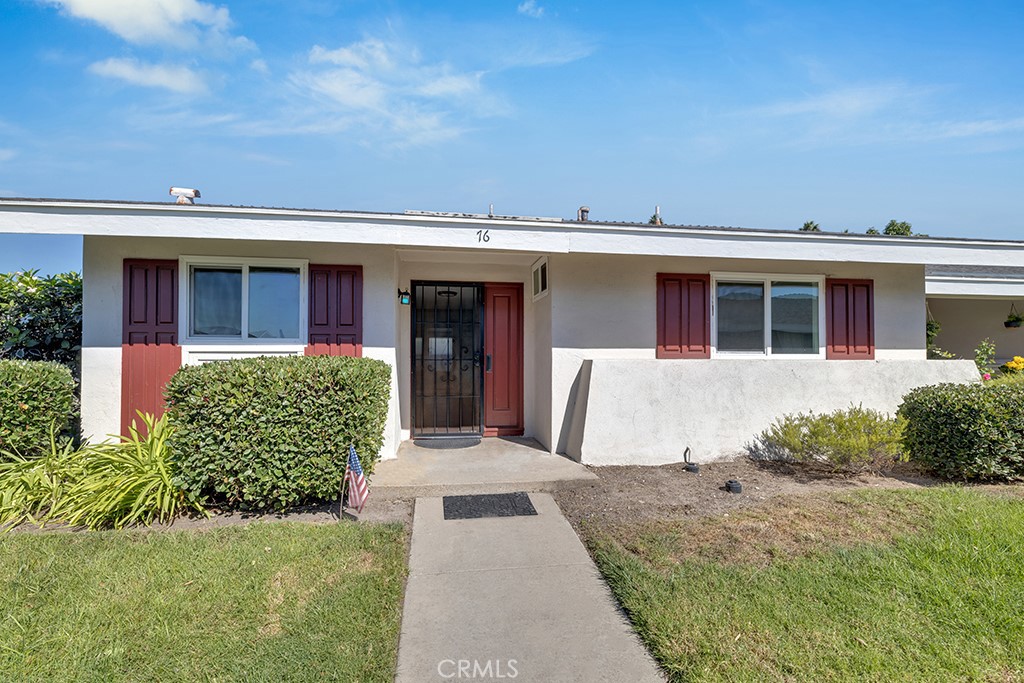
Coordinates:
[850,319]
[150,354]
[335,311]
[684,316]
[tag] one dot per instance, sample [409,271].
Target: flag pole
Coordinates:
[341,501]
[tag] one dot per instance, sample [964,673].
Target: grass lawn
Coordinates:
[263,602]
[922,584]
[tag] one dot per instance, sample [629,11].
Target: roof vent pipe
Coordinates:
[583,215]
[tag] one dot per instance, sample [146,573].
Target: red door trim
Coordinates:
[515,339]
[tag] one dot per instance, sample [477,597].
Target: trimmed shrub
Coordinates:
[843,439]
[273,432]
[35,397]
[967,431]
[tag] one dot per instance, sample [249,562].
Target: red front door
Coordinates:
[503,363]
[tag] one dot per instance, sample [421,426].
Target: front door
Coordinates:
[447,359]
[467,359]
[503,359]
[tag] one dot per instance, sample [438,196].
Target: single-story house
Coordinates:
[611,343]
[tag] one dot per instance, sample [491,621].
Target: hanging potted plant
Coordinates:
[1014,319]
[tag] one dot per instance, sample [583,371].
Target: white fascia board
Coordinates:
[457,232]
[974,288]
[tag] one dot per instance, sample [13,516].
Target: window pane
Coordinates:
[274,303]
[216,302]
[794,317]
[740,316]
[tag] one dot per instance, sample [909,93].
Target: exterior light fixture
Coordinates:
[403,297]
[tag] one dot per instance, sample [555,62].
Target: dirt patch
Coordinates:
[783,527]
[633,495]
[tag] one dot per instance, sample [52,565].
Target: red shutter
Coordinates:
[150,354]
[850,319]
[335,311]
[684,316]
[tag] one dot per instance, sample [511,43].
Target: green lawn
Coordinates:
[264,602]
[872,585]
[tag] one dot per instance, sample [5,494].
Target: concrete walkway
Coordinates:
[513,598]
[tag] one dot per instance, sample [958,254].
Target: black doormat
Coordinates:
[488,505]
[448,443]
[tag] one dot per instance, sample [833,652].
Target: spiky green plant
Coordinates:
[127,483]
[30,488]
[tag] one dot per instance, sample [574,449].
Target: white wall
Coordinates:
[965,322]
[102,273]
[605,307]
[649,411]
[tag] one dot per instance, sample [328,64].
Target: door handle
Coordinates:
[487,367]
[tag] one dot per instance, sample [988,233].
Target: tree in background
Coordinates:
[810,226]
[41,317]
[895,227]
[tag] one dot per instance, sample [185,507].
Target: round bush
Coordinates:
[35,398]
[273,432]
[967,431]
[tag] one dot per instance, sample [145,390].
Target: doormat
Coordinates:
[488,505]
[448,443]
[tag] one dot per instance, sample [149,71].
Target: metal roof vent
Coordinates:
[583,214]
[185,195]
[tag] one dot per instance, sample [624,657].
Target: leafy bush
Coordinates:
[35,397]
[985,356]
[967,431]
[273,432]
[41,317]
[848,438]
[107,484]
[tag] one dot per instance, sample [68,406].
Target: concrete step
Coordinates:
[493,466]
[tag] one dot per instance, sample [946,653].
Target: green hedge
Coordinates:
[34,396]
[967,431]
[273,432]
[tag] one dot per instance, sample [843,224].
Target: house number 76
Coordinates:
[483,235]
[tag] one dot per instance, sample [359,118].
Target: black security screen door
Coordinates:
[447,353]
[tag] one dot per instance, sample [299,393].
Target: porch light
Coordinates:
[403,297]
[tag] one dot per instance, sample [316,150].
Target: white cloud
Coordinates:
[182,23]
[531,9]
[387,87]
[260,67]
[7,154]
[176,78]
[845,102]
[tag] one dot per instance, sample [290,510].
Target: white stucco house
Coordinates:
[606,342]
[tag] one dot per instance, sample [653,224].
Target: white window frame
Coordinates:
[766,280]
[185,264]
[542,262]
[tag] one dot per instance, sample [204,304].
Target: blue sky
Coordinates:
[758,114]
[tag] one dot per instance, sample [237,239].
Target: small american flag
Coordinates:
[358,490]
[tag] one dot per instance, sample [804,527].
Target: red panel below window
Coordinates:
[145,371]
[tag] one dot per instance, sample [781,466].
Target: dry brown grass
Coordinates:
[783,527]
